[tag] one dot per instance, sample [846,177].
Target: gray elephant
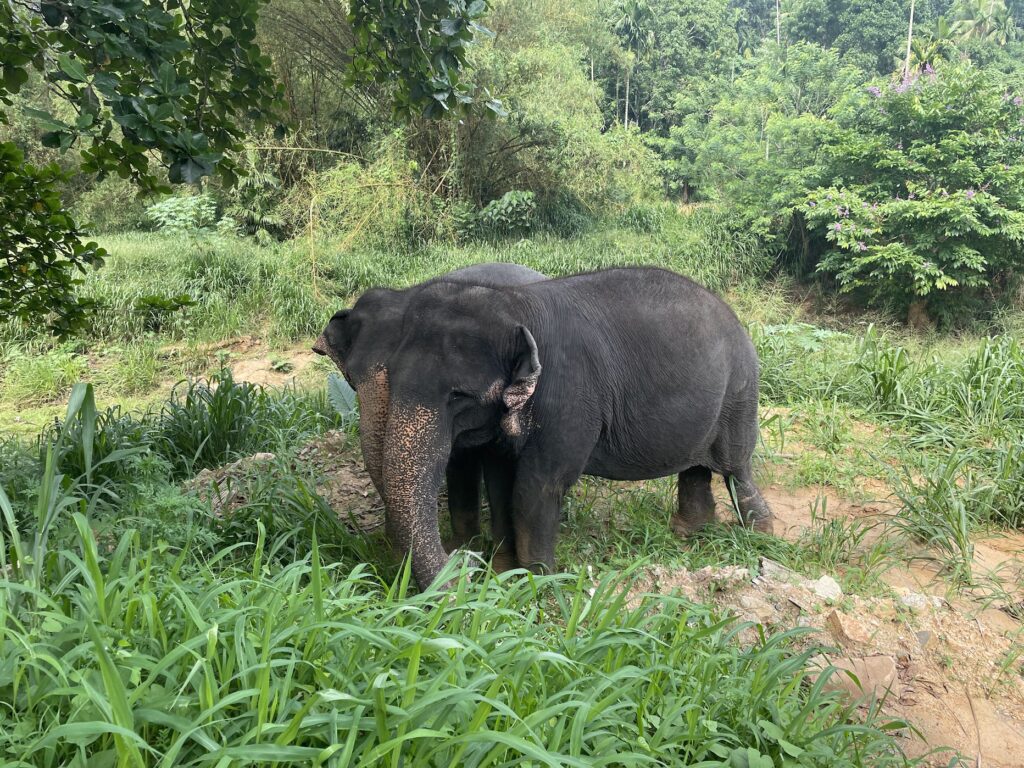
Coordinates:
[628,374]
[360,342]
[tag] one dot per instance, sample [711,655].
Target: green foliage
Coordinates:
[341,397]
[156,309]
[760,151]
[42,245]
[34,375]
[142,79]
[141,76]
[208,423]
[111,205]
[510,215]
[928,204]
[424,47]
[184,212]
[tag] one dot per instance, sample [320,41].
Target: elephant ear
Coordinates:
[525,371]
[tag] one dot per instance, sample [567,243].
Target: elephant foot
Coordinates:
[686,526]
[504,561]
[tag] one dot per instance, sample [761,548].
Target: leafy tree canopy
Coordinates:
[164,91]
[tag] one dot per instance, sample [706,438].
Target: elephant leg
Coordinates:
[463,475]
[696,504]
[499,480]
[536,518]
[753,509]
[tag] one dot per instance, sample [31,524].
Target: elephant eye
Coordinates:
[458,394]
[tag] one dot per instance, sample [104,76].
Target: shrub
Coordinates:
[510,215]
[184,212]
[928,206]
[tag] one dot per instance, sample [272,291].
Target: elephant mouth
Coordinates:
[320,345]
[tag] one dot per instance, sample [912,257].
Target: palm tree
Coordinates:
[987,20]
[631,21]
[931,48]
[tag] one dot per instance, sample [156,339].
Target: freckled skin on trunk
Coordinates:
[415,455]
[373,394]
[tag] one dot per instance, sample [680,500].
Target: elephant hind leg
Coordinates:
[752,508]
[696,504]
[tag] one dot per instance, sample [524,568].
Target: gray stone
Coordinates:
[826,588]
[915,601]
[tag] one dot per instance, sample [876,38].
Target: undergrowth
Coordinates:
[260,636]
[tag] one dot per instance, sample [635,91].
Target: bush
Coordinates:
[510,215]
[184,213]
[928,204]
[111,205]
[209,423]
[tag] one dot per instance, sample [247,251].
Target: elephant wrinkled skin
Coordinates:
[628,374]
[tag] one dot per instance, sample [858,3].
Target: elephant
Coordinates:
[360,341]
[630,374]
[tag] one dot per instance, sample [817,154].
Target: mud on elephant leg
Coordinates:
[696,504]
[499,476]
[753,509]
[463,477]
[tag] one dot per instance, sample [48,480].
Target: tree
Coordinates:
[989,20]
[924,207]
[164,91]
[631,21]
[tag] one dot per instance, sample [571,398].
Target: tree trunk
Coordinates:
[625,119]
[910,37]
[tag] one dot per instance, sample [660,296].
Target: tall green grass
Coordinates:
[266,647]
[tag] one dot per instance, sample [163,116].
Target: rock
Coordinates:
[924,638]
[876,675]
[757,609]
[915,601]
[724,577]
[826,588]
[773,571]
[998,621]
[846,629]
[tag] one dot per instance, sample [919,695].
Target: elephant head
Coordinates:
[457,379]
[361,340]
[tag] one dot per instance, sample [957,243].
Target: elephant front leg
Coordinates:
[499,480]
[463,477]
[537,514]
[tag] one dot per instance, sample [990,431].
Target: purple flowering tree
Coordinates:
[926,207]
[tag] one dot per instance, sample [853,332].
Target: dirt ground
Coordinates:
[950,667]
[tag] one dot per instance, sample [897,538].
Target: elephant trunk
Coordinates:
[415,455]
[374,403]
